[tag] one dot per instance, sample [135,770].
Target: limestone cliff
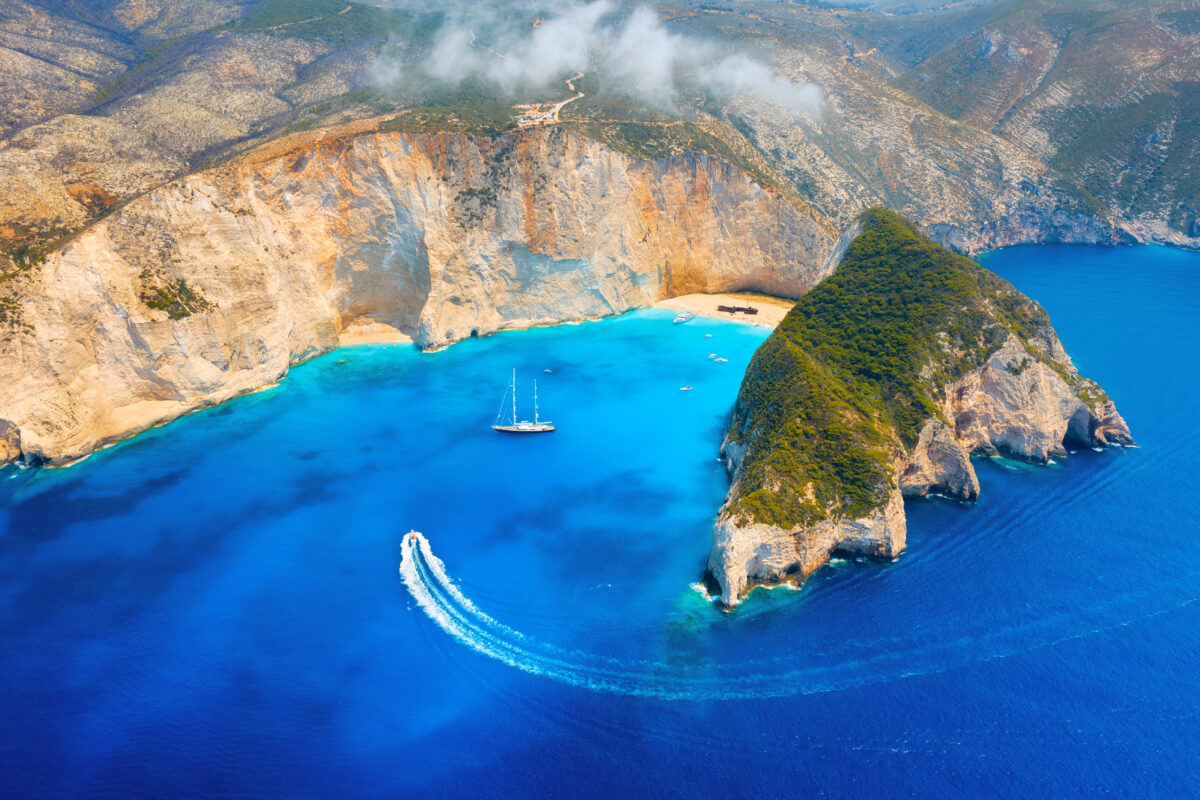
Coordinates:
[1019,404]
[749,554]
[214,284]
[882,382]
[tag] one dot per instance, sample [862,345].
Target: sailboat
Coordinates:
[524,426]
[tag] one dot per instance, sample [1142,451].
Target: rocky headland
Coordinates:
[881,383]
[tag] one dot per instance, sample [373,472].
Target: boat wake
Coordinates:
[426,578]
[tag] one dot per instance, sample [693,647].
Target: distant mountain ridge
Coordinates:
[1107,93]
[105,101]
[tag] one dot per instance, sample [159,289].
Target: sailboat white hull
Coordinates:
[525,427]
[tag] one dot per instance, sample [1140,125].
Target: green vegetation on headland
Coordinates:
[858,366]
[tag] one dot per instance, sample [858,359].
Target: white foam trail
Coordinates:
[427,580]
[425,576]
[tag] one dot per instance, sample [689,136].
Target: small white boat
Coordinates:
[721,360]
[684,316]
[511,425]
[708,336]
[685,388]
[712,355]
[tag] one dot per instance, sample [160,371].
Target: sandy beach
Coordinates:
[372,333]
[771,310]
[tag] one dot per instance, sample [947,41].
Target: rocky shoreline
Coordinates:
[991,420]
[1024,399]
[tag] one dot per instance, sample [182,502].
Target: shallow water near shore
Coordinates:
[214,607]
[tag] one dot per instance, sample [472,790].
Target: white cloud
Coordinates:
[643,56]
[740,74]
[635,55]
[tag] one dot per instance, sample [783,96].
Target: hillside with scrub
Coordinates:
[860,364]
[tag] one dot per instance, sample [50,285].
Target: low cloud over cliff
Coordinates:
[630,51]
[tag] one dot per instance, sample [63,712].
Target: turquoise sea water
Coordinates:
[214,609]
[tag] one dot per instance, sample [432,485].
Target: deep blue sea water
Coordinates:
[213,608]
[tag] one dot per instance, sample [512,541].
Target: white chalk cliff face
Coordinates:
[1014,404]
[747,555]
[1017,405]
[439,237]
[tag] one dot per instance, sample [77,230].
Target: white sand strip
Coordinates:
[771,310]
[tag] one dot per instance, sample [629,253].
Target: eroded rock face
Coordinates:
[939,463]
[1107,427]
[438,237]
[10,442]
[1019,406]
[748,555]
[745,555]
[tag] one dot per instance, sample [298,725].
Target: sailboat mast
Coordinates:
[513,388]
[535,408]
